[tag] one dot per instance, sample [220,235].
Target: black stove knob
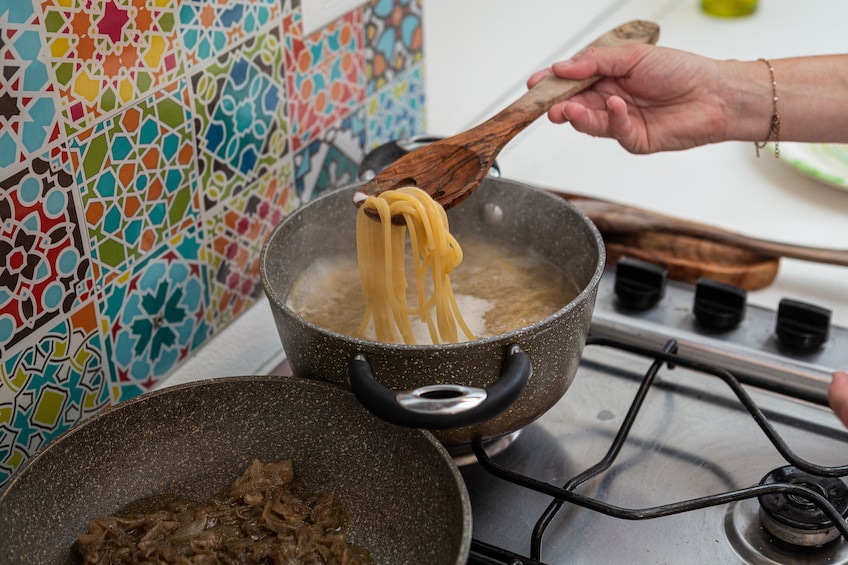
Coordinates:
[638,284]
[802,327]
[718,306]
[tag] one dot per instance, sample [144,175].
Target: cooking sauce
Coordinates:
[498,289]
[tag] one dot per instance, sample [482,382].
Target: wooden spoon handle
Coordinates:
[498,130]
[614,218]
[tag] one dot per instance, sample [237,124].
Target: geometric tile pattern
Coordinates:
[325,74]
[147,148]
[106,54]
[28,119]
[211,26]
[49,387]
[44,265]
[235,234]
[393,40]
[240,121]
[332,160]
[137,175]
[155,314]
[397,111]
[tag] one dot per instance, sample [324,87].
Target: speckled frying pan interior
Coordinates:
[404,497]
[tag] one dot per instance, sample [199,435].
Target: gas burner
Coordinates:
[463,455]
[753,543]
[795,519]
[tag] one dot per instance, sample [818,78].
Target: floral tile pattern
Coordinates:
[156,314]
[105,54]
[236,235]
[393,40]
[48,387]
[137,178]
[324,75]
[240,118]
[44,265]
[28,118]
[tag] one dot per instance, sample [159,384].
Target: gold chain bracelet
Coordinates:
[774,127]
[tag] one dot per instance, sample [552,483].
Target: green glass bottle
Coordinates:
[729,8]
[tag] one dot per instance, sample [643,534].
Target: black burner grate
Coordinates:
[484,553]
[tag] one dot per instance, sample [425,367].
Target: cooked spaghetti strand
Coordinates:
[434,254]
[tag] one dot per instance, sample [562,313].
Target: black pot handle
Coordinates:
[439,407]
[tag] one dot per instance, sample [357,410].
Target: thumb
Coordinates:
[575,69]
[607,61]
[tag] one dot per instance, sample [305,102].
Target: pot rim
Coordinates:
[508,337]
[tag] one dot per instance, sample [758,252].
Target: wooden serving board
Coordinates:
[691,250]
[688,259]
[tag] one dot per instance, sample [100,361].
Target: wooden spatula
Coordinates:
[451,169]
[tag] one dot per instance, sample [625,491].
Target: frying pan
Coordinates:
[404,497]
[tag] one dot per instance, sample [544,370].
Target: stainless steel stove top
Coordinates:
[692,438]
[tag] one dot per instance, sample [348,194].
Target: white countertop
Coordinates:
[722,184]
[479,54]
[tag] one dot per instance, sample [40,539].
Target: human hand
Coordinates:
[649,98]
[838,395]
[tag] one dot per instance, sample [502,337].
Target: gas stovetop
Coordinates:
[792,348]
[660,445]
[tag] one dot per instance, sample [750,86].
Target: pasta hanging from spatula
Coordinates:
[381,253]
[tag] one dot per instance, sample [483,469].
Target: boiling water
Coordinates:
[498,289]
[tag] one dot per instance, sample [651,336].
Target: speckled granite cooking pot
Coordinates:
[507,380]
[191,441]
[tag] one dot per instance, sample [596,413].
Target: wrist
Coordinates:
[748,98]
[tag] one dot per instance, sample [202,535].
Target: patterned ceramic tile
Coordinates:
[393,39]
[325,75]
[49,387]
[155,314]
[236,235]
[240,117]
[107,54]
[397,111]
[28,119]
[147,147]
[210,27]
[137,176]
[44,265]
[332,160]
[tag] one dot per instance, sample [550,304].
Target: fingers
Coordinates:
[557,115]
[838,395]
[613,120]
[585,120]
[536,77]
[620,124]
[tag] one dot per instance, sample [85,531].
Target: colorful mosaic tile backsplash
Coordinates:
[147,147]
